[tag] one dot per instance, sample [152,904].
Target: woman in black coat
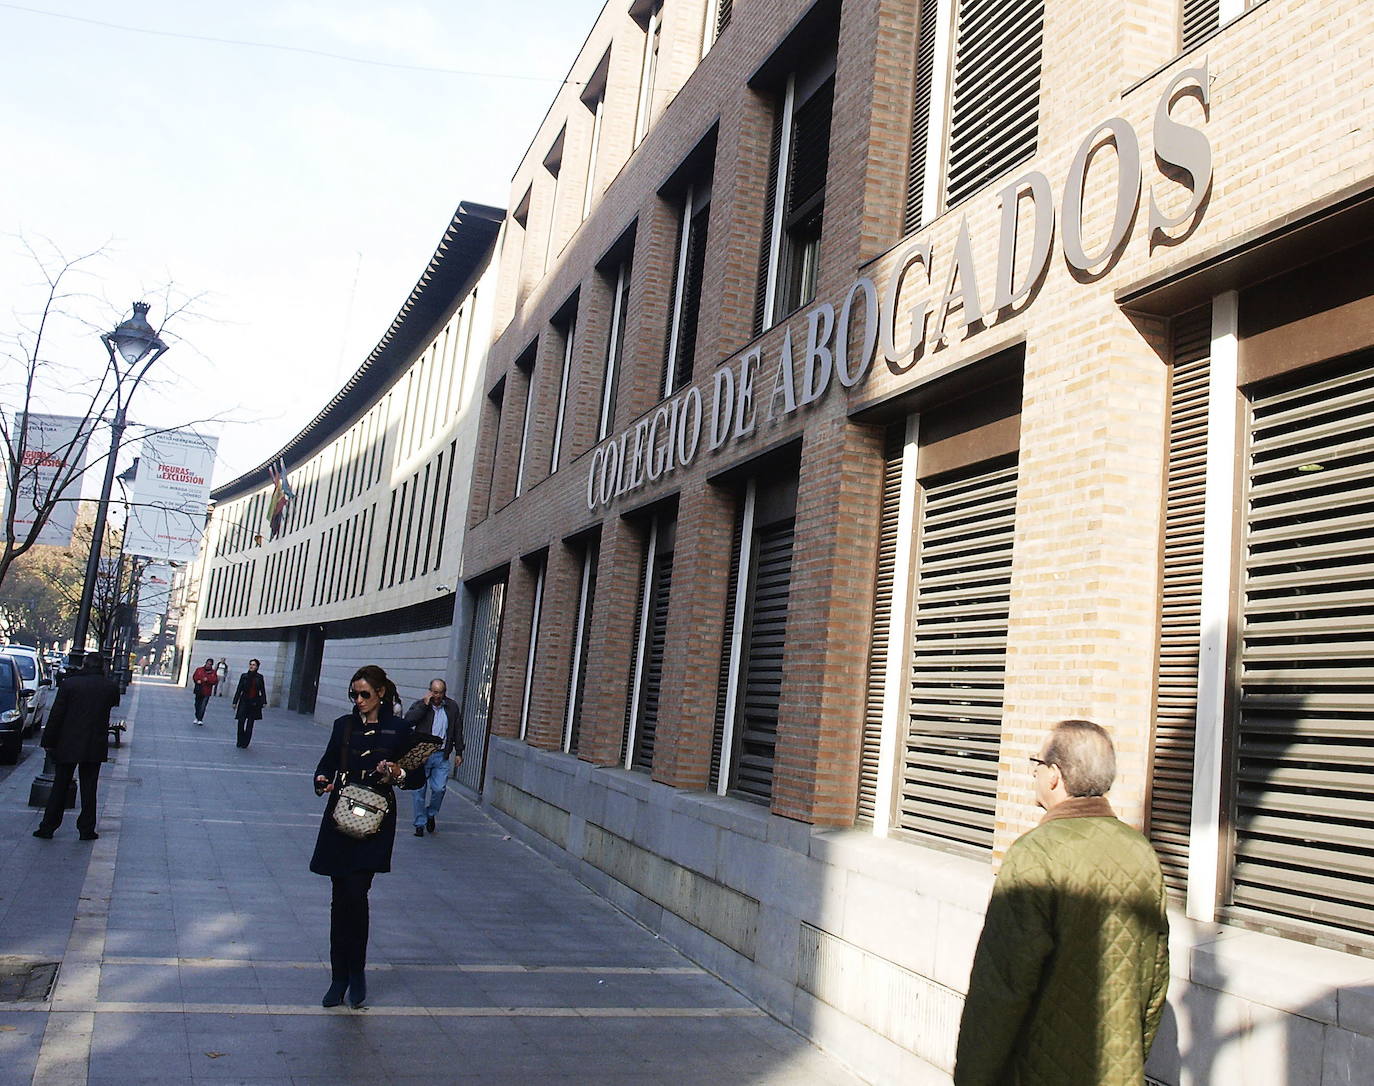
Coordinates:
[375,738]
[249,699]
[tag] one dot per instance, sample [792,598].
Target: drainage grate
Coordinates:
[26,982]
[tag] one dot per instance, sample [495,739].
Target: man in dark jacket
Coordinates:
[1070,975]
[439,715]
[77,736]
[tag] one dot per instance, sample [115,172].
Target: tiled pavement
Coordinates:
[192,938]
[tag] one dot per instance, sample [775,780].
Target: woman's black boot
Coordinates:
[334,996]
[357,991]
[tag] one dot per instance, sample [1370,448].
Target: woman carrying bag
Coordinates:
[249,699]
[359,771]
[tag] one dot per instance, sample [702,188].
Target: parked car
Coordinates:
[12,698]
[33,669]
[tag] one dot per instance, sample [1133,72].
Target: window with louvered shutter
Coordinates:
[920,114]
[808,166]
[582,631]
[880,646]
[1201,19]
[723,676]
[994,108]
[615,350]
[1303,770]
[1180,622]
[761,678]
[687,300]
[769,200]
[724,9]
[481,670]
[962,598]
[660,589]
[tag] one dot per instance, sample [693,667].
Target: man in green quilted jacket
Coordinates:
[1070,974]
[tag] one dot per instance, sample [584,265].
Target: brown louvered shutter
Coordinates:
[1180,620]
[1201,18]
[879,646]
[723,675]
[920,114]
[1303,792]
[994,121]
[769,194]
[761,681]
[646,725]
[958,657]
[577,679]
[724,9]
[809,159]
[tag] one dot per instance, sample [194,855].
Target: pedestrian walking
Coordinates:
[1072,966]
[363,749]
[77,737]
[249,699]
[437,714]
[204,681]
[222,670]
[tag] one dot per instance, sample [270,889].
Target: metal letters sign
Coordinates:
[171,494]
[54,449]
[672,434]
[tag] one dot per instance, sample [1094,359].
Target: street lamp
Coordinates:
[137,346]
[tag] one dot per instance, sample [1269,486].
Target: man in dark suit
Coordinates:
[439,715]
[77,736]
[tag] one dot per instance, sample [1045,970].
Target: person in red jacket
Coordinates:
[204,682]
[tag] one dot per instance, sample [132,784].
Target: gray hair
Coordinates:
[1084,755]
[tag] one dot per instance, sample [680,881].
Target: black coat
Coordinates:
[421,714]
[337,853]
[248,705]
[79,720]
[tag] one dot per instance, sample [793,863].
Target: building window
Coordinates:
[525,367]
[796,192]
[758,593]
[652,19]
[553,163]
[641,729]
[1301,767]
[566,326]
[717,18]
[582,631]
[540,564]
[615,348]
[693,225]
[987,98]
[594,98]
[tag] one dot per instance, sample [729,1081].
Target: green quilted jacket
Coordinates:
[1070,974]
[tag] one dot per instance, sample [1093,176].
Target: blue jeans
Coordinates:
[436,780]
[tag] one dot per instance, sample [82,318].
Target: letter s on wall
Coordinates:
[1180,148]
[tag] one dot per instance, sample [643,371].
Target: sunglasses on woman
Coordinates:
[360,695]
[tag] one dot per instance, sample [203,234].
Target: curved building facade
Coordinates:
[366,562]
[875,384]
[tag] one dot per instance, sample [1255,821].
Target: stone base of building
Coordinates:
[864,944]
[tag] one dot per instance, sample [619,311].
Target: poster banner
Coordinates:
[55,446]
[171,494]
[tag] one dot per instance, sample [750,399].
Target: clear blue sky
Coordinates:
[299,196]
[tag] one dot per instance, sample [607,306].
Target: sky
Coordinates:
[283,203]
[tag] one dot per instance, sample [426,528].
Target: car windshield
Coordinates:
[27,668]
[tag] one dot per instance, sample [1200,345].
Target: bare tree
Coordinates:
[36,478]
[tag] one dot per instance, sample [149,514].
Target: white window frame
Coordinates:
[937,128]
[598,115]
[746,555]
[648,72]
[683,236]
[896,680]
[612,353]
[525,431]
[583,605]
[534,646]
[770,293]
[1218,577]
[563,380]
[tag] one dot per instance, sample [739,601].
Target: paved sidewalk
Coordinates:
[193,941]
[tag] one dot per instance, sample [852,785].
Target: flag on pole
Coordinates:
[282,497]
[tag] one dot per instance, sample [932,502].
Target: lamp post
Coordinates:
[137,345]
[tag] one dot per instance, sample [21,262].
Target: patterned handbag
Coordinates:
[360,809]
